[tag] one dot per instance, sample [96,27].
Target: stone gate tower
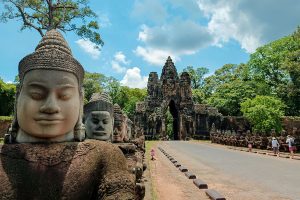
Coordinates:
[173,93]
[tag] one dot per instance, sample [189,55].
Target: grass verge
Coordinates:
[149,145]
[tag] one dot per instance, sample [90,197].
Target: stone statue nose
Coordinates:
[50,105]
[100,126]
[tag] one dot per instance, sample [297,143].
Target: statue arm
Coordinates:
[117,182]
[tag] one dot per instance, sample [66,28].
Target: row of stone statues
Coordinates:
[49,153]
[243,139]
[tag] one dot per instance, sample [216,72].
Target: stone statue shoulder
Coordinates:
[91,169]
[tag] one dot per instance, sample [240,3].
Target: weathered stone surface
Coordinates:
[183,169]
[190,175]
[100,167]
[177,164]
[213,194]
[173,93]
[200,184]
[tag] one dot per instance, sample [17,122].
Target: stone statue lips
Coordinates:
[49,120]
[99,133]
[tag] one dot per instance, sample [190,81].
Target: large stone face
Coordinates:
[48,106]
[98,117]
[49,100]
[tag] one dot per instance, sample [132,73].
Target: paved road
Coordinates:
[264,177]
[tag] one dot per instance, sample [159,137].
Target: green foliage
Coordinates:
[128,97]
[6,118]
[169,124]
[228,87]
[7,98]
[124,96]
[113,88]
[277,66]
[92,83]
[65,15]
[196,75]
[198,96]
[197,82]
[228,97]
[264,112]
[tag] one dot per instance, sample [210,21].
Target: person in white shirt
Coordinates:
[290,141]
[275,146]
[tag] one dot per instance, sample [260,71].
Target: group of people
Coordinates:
[276,145]
[260,141]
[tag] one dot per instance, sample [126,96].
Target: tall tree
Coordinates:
[277,65]
[196,75]
[44,15]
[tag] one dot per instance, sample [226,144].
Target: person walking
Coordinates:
[152,153]
[292,148]
[275,146]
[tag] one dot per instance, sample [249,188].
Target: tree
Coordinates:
[44,15]
[228,87]
[92,83]
[113,88]
[277,65]
[228,96]
[264,112]
[128,97]
[7,98]
[196,75]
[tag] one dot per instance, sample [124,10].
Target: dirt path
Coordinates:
[168,182]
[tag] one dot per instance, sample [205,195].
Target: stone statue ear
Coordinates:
[14,127]
[79,129]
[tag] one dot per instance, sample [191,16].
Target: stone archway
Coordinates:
[176,125]
[174,93]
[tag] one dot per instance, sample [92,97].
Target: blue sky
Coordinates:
[139,35]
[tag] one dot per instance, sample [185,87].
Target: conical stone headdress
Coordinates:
[99,102]
[52,53]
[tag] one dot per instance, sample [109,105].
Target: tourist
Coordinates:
[292,148]
[250,146]
[275,146]
[152,153]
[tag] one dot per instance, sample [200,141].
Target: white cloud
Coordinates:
[180,37]
[134,79]
[89,47]
[251,23]
[117,67]
[155,56]
[121,58]
[118,62]
[104,20]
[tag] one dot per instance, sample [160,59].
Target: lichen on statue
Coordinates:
[45,159]
[98,117]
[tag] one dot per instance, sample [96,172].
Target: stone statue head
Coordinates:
[49,101]
[130,129]
[98,117]
[120,129]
